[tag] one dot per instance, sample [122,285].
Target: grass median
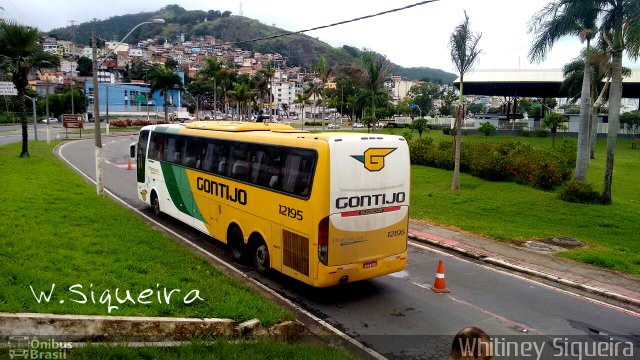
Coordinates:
[508,211]
[55,230]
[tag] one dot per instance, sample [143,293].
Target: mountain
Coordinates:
[300,50]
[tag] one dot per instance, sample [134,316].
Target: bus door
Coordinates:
[369,194]
[141,156]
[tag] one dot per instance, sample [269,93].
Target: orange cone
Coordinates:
[440,285]
[129,166]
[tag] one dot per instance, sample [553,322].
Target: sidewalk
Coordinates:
[564,271]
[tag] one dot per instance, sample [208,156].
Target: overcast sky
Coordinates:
[414,37]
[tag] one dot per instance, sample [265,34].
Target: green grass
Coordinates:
[508,211]
[55,230]
[219,349]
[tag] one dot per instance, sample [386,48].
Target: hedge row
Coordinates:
[123,123]
[505,161]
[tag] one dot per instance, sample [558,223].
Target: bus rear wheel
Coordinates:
[261,258]
[155,204]
[235,241]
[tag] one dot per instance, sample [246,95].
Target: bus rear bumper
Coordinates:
[334,275]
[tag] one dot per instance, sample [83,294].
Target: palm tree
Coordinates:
[620,31]
[302,100]
[369,75]
[324,73]
[464,52]
[163,79]
[211,71]
[269,72]
[19,55]
[557,19]
[600,63]
[243,95]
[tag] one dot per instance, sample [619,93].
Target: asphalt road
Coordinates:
[398,315]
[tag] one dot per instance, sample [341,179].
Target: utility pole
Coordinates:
[96,115]
[73,51]
[46,105]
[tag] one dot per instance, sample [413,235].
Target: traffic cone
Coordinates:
[129,166]
[440,285]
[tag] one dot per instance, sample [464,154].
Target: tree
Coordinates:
[420,125]
[553,121]
[620,31]
[475,108]
[211,72]
[369,75]
[268,72]
[85,66]
[423,95]
[558,19]
[464,52]
[631,121]
[19,55]
[600,63]
[324,72]
[163,79]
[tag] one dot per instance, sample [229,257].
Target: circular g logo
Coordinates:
[373,159]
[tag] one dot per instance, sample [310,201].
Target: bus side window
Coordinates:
[291,169]
[190,152]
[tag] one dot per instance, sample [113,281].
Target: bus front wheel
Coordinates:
[235,241]
[261,258]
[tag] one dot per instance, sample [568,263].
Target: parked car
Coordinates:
[358,125]
[51,121]
[334,126]
[392,125]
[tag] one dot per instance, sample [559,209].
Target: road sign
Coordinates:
[7,88]
[140,98]
[72,121]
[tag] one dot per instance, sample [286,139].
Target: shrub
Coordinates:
[579,192]
[120,123]
[407,134]
[525,132]
[141,122]
[313,123]
[542,133]
[446,131]
[506,161]
[487,128]
[635,144]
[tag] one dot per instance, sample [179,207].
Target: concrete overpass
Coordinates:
[539,83]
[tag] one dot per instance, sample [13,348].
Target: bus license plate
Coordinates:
[370,264]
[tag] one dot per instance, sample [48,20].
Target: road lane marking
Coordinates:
[205,252]
[534,281]
[497,316]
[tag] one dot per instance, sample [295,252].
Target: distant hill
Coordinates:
[300,50]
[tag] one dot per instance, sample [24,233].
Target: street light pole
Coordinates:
[96,116]
[96,105]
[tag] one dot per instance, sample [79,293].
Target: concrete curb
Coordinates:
[82,328]
[525,270]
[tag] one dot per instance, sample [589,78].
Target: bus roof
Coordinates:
[237,126]
[256,131]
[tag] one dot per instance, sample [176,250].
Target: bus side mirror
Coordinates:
[132,150]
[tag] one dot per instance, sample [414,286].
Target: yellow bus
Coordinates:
[322,208]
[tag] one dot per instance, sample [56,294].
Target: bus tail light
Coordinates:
[323,241]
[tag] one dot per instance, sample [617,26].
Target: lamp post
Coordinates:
[96,102]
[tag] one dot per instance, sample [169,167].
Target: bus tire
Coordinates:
[260,257]
[155,204]
[235,242]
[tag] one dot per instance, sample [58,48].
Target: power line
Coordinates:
[335,24]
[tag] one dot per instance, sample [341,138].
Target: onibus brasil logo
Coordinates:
[373,159]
